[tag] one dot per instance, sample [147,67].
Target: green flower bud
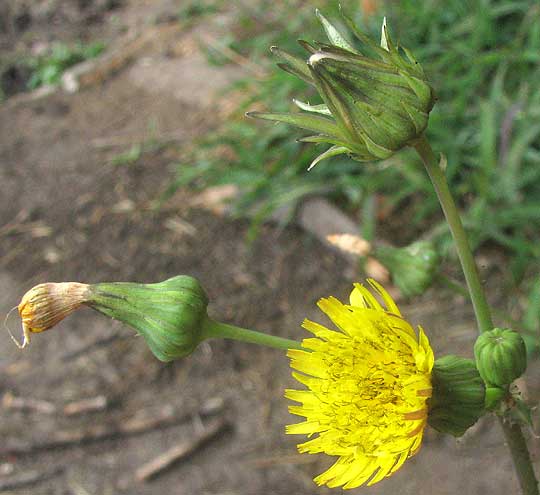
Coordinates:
[373,106]
[458,395]
[501,356]
[170,315]
[413,267]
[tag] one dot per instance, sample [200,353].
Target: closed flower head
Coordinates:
[376,101]
[367,382]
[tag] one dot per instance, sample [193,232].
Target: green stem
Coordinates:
[513,434]
[521,457]
[481,308]
[215,329]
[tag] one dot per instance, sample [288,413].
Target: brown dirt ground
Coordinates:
[68,213]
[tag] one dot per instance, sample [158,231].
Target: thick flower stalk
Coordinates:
[374,103]
[368,384]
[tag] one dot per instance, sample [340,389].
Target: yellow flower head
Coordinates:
[368,384]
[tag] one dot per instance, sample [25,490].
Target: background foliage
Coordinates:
[49,67]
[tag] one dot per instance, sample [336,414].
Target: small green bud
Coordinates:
[373,106]
[458,395]
[170,315]
[413,267]
[501,356]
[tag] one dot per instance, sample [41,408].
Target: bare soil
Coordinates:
[68,213]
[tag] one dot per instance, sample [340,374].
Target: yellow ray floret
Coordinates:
[367,386]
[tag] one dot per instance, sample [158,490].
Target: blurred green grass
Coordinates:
[483,58]
[47,69]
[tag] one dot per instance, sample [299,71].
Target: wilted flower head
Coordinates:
[367,388]
[44,305]
[373,105]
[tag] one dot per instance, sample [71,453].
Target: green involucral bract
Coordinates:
[459,393]
[170,315]
[373,106]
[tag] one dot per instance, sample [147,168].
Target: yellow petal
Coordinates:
[387,298]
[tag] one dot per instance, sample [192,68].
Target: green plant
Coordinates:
[47,69]
[128,157]
[194,9]
[369,386]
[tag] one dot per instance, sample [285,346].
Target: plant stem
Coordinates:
[481,308]
[513,434]
[521,457]
[215,329]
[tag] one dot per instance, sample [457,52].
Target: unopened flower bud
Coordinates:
[373,106]
[170,315]
[458,399]
[44,305]
[501,356]
[413,267]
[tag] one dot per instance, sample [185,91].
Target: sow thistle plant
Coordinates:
[368,386]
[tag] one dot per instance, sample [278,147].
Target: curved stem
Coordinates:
[215,329]
[481,308]
[513,434]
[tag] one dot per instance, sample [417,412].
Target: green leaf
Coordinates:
[304,121]
[292,70]
[299,65]
[333,151]
[321,138]
[333,34]
[322,109]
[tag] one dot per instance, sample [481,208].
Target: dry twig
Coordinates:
[179,452]
[29,478]
[84,406]
[11,402]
